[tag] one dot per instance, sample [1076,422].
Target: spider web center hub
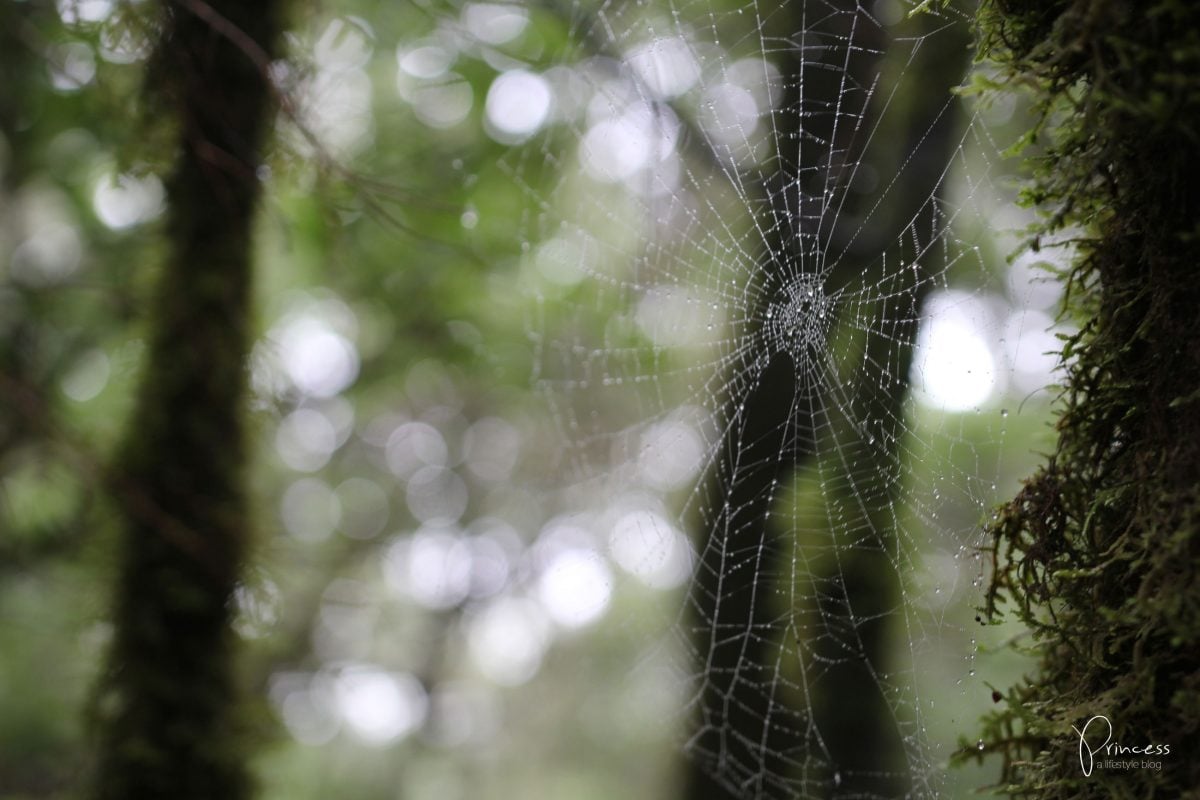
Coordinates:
[797,323]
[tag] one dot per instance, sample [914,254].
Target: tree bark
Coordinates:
[168,706]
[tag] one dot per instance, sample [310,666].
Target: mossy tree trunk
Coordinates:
[168,704]
[1099,553]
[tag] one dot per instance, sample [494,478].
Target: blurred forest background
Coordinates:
[452,590]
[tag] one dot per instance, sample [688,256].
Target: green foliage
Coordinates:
[1098,553]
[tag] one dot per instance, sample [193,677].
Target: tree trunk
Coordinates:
[168,724]
[757,737]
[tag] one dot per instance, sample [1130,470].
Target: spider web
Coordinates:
[763,220]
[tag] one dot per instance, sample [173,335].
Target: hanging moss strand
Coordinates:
[1099,552]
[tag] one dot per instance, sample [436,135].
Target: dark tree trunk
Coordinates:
[758,738]
[860,716]
[168,707]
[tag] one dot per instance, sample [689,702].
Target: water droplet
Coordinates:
[979,744]
[1004,412]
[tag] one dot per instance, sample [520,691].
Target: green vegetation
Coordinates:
[1098,553]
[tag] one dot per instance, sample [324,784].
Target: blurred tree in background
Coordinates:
[773,429]
[168,702]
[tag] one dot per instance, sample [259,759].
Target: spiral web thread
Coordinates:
[757,212]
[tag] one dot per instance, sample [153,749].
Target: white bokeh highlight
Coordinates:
[575,587]
[954,368]
[518,104]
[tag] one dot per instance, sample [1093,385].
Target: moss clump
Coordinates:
[1098,553]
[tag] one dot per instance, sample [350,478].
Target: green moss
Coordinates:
[1098,553]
